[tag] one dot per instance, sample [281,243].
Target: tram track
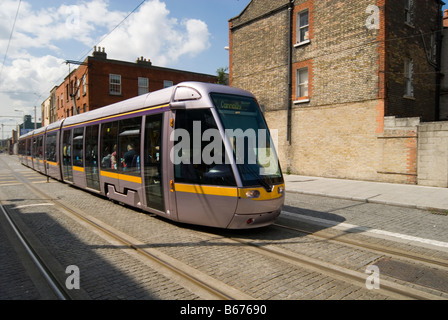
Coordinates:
[214,289]
[344,238]
[39,263]
[389,288]
[207,287]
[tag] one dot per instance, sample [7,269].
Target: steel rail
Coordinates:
[202,282]
[364,245]
[390,288]
[60,293]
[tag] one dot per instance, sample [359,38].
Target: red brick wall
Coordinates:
[445,19]
[98,71]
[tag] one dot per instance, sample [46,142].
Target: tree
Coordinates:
[223,76]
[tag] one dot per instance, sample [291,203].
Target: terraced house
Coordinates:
[347,83]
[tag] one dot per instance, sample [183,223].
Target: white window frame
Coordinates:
[300,28]
[409,11]
[302,86]
[143,85]
[78,88]
[115,84]
[409,78]
[433,47]
[84,85]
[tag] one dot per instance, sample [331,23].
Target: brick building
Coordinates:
[100,81]
[335,78]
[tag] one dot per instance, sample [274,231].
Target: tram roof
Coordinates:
[156,98]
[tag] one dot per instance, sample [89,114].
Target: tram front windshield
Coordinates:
[248,135]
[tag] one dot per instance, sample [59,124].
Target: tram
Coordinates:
[195,153]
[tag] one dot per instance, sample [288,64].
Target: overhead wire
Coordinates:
[101,40]
[10,38]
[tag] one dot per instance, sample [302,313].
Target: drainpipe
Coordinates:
[289,98]
[439,60]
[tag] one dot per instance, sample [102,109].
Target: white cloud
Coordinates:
[44,37]
[28,79]
[152,33]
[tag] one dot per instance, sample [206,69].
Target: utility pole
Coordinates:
[35,118]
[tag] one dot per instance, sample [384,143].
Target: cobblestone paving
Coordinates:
[109,273]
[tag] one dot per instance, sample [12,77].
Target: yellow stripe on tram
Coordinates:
[123,177]
[206,190]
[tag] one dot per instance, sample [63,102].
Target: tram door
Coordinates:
[153,162]
[67,170]
[91,158]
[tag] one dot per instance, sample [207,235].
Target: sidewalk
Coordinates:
[412,196]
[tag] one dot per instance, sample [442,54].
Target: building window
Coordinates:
[84,85]
[409,8]
[433,48]
[167,83]
[409,78]
[302,84]
[303,27]
[78,89]
[143,85]
[115,84]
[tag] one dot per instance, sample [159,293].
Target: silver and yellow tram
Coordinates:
[194,153]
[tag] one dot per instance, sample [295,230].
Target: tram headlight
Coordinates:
[281,190]
[253,194]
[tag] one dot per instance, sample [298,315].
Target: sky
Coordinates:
[181,34]
[188,35]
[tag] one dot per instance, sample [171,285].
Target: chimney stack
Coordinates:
[143,61]
[99,53]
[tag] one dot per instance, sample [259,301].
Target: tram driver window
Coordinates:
[189,170]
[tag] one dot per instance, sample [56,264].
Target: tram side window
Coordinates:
[67,148]
[109,133]
[28,147]
[129,146]
[22,148]
[120,146]
[191,166]
[78,150]
[40,147]
[91,152]
[50,148]
[34,152]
